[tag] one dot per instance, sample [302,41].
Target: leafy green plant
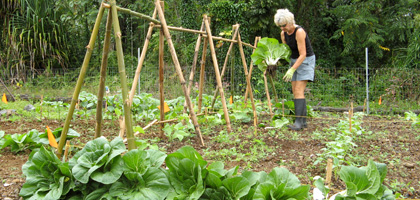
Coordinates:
[410,116]
[281,184]
[20,142]
[143,178]
[46,176]
[364,182]
[186,171]
[99,160]
[268,52]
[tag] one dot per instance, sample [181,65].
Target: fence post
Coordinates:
[367,81]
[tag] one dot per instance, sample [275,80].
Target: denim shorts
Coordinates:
[306,71]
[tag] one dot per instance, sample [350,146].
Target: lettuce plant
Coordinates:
[281,184]
[46,176]
[186,169]
[268,52]
[20,142]
[99,160]
[143,178]
[364,182]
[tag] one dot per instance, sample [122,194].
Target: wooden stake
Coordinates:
[329,172]
[89,50]
[104,65]
[364,106]
[178,68]
[66,151]
[251,64]
[235,29]
[216,69]
[248,79]
[194,65]
[121,121]
[121,69]
[202,73]
[141,61]
[161,86]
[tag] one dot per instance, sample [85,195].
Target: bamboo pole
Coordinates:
[121,69]
[235,29]
[248,78]
[178,68]
[251,64]
[194,66]
[89,50]
[161,72]
[204,35]
[134,13]
[267,92]
[104,65]
[7,89]
[202,73]
[216,69]
[141,61]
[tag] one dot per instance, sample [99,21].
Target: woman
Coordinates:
[302,63]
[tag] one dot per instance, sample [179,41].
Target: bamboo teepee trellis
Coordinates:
[112,22]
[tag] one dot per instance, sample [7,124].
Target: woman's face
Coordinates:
[285,27]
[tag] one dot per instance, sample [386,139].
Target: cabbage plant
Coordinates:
[268,52]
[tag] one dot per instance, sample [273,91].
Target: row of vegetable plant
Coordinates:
[106,170]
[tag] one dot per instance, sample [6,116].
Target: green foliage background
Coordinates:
[43,38]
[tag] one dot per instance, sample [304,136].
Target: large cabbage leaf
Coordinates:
[268,52]
[46,176]
[281,184]
[143,178]
[100,160]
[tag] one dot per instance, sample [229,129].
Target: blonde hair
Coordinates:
[284,16]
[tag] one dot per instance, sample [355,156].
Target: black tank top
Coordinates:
[291,41]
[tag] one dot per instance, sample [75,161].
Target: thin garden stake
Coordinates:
[257,39]
[194,66]
[141,61]
[161,73]
[89,50]
[104,65]
[248,79]
[178,68]
[216,69]
[121,69]
[202,73]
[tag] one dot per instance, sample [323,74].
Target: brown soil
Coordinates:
[393,141]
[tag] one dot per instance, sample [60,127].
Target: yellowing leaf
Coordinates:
[4,98]
[231,100]
[51,138]
[380,100]
[165,107]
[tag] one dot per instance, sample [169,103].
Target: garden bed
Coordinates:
[390,140]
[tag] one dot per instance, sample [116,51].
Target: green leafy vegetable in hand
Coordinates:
[268,52]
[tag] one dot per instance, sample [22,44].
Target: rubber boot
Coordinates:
[300,105]
[305,114]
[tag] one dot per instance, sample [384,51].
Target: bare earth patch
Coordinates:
[393,141]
